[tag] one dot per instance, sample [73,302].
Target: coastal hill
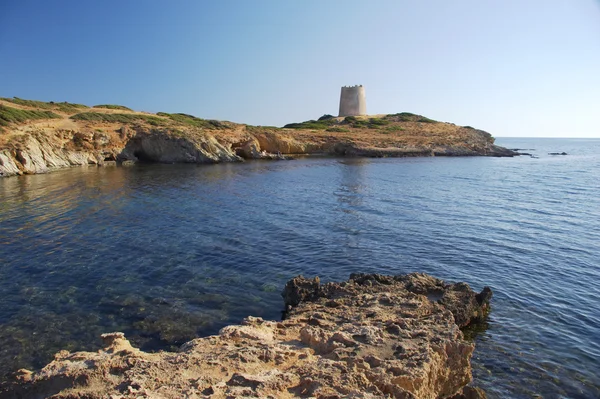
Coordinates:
[36,137]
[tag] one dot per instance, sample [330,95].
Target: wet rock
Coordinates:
[470,393]
[300,289]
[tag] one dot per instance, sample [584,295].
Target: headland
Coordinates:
[37,137]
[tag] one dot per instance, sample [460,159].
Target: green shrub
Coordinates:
[10,115]
[408,117]
[371,123]
[403,117]
[312,124]
[320,124]
[62,107]
[326,117]
[391,129]
[68,108]
[117,118]
[374,123]
[186,119]
[29,103]
[113,106]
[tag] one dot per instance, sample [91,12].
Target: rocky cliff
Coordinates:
[36,137]
[372,336]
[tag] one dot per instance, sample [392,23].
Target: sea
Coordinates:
[166,253]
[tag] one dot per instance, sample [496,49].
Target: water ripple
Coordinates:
[169,252]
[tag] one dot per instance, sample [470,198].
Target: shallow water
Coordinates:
[169,252]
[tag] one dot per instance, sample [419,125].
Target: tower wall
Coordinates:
[353,101]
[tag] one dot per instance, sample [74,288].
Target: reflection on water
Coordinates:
[350,194]
[165,253]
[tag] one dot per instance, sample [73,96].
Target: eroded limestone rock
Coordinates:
[372,336]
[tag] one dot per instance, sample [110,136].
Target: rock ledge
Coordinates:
[372,336]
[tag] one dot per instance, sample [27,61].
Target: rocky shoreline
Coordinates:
[38,137]
[372,336]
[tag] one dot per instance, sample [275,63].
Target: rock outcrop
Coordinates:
[162,147]
[43,151]
[39,152]
[372,336]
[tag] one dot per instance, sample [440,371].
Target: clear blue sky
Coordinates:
[511,67]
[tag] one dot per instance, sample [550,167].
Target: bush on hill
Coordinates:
[68,108]
[10,115]
[408,117]
[323,123]
[61,107]
[371,123]
[113,106]
[326,117]
[29,103]
[329,123]
[186,119]
[117,118]
[391,129]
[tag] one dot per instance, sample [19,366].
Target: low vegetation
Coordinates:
[113,106]
[408,117]
[311,124]
[10,115]
[391,129]
[371,123]
[323,123]
[118,118]
[326,117]
[332,124]
[60,107]
[192,120]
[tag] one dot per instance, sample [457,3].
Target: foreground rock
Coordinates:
[370,337]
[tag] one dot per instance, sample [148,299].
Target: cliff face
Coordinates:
[372,336]
[41,151]
[36,137]
[160,146]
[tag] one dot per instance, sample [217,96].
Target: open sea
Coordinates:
[166,253]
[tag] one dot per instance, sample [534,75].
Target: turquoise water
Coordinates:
[169,252]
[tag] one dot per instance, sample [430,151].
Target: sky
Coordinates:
[515,68]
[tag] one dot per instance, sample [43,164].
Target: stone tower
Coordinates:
[353,101]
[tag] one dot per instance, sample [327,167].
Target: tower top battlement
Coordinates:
[353,101]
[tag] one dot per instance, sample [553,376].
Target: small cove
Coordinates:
[165,253]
